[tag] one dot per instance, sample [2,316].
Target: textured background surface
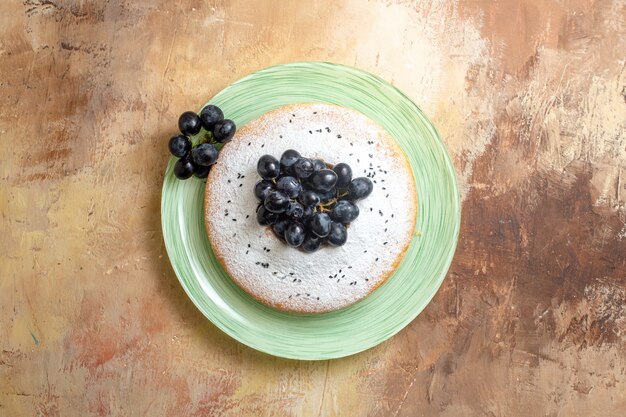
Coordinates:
[530,98]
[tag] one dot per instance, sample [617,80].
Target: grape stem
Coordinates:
[207,137]
[330,203]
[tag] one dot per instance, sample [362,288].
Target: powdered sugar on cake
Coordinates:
[330,278]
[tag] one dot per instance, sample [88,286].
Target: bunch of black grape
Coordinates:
[306,202]
[197,160]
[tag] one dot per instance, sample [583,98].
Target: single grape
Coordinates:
[289,158]
[290,186]
[318,164]
[338,234]
[189,123]
[210,115]
[327,196]
[276,202]
[179,145]
[324,179]
[295,210]
[311,243]
[280,226]
[295,234]
[265,217]
[262,189]
[224,130]
[309,198]
[204,154]
[304,168]
[360,188]
[268,167]
[319,224]
[344,212]
[344,174]
[184,168]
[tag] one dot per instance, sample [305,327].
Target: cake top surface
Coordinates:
[332,277]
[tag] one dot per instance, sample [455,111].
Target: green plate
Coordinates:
[388,309]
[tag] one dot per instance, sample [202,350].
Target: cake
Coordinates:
[332,277]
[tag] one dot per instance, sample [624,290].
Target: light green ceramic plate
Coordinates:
[388,309]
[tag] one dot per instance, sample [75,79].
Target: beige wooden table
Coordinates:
[530,99]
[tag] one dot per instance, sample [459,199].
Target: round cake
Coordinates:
[331,278]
